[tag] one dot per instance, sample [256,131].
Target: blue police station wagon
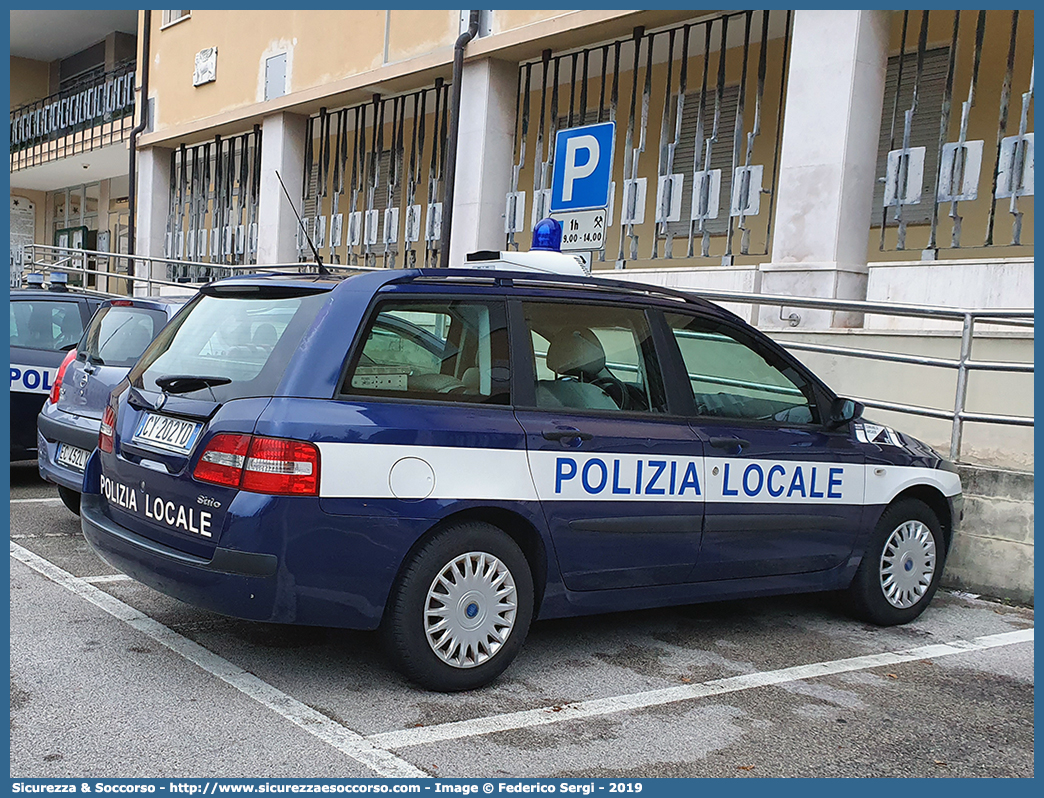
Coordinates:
[445,455]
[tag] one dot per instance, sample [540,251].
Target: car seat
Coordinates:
[72,329]
[265,336]
[577,358]
[41,329]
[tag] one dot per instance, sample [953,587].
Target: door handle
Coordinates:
[565,434]
[89,368]
[728,442]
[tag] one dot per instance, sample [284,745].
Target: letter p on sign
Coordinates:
[582,168]
[576,171]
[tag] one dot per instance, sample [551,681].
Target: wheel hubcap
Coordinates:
[907,564]
[470,609]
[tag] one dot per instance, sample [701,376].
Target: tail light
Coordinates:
[106,441]
[286,468]
[57,387]
[261,465]
[222,461]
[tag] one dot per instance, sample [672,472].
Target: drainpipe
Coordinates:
[451,141]
[138,128]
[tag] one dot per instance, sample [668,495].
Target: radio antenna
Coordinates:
[308,238]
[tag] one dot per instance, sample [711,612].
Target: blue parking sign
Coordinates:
[583,167]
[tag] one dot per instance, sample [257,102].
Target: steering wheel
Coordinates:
[616,391]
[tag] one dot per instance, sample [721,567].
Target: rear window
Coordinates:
[45,324]
[246,339]
[117,335]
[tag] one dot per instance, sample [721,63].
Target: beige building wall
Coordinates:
[339,58]
[321,48]
[514,19]
[30,80]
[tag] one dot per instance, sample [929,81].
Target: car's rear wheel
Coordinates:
[70,498]
[901,567]
[461,608]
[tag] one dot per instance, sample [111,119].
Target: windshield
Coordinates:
[246,339]
[117,335]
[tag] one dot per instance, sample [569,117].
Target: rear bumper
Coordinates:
[57,425]
[240,584]
[54,427]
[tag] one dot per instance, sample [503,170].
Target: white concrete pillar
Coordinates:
[832,120]
[485,153]
[153,207]
[282,150]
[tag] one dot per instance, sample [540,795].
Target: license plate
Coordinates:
[72,456]
[164,432]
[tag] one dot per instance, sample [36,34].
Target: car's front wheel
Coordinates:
[70,498]
[901,567]
[461,609]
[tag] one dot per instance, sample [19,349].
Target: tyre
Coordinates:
[70,498]
[902,565]
[461,608]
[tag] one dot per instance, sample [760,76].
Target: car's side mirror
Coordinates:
[844,410]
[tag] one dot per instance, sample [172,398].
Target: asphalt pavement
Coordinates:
[111,679]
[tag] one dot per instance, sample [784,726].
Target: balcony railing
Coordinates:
[78,119]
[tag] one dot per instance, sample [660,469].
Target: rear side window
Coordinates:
[43,324]
[117,335]
[443,350]
[248,339]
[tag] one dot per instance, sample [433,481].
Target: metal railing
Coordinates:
[78,119]
[138,270]
[134,273]
[963,364]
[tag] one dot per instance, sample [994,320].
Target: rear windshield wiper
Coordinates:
[185,383]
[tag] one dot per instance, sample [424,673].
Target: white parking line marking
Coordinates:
[334,734]
[101,580]
[46,535]
[42,500]
[624,703]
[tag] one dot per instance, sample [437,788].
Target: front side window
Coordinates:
[443,350]
[593,357]
[44,324]
[734,376]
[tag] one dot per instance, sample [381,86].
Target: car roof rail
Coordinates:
[507,277]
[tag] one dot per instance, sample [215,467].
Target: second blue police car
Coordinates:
[67,426]
[445,455]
